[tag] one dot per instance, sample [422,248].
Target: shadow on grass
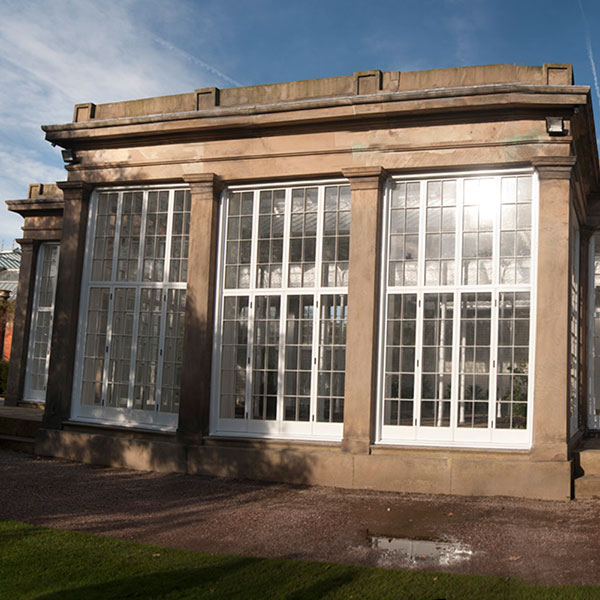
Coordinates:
[224,580]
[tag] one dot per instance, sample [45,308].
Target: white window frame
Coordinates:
[29,394]
[126,417]
[454,436]
[593,405]
[278,428]
[574,322]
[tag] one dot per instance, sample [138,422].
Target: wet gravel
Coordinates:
[539,541]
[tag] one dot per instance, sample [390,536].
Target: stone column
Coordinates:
[194,408]
[22,320]
[364,283]
[66,306]
[551,381]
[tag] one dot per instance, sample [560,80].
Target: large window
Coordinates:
[458,291]
[132,307]
[42,316]
[280,338]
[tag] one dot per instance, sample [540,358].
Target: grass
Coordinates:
[49,564]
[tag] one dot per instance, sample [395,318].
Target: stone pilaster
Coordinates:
[366,184]
[551,383]
[20,341]
[66,307]
[194,410]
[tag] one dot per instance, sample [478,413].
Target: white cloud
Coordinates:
[56,54]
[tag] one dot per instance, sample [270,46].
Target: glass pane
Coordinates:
[106,218]
[129,236]
[180,234]
[298,358]
[513,360]
[239,238]
[234,354]
[270,233]
[173,351]
[303,237]
[515,234]
[119,360]
[266,358]
[95,346]
[474,359]
[336,237]
[404,229]
[399,393]
[436,386]
[332,358]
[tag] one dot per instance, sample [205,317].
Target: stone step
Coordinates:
[20,427]
[17,443]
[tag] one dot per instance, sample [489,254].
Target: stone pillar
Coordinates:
[194,408]
[66,306]
[22,322]
[364,283]
[551,382]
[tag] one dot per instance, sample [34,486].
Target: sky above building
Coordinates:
[54,54]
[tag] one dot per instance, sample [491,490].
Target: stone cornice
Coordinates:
[214,122]
[36,207]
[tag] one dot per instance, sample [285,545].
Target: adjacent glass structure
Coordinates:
[132,307]
[456,311]
[42,316]
[280,337]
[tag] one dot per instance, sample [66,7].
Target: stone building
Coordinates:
[381,281]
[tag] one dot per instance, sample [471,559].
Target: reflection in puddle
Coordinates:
[420,552]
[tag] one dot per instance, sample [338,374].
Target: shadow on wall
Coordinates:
[169,454]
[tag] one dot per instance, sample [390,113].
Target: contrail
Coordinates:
[197,61]
[588,44]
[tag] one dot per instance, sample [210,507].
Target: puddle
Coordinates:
[417,553]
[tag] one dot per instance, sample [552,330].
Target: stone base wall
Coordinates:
[421,470]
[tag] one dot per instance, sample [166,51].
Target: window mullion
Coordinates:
[494,313]
[161,349]
[252,285]
[109,317]
[280,412]
[250,355]
[134,345]
[454,396]
[170,207]
[318,282]
[287,224]
[142,246]
[418,363]
[314,380]
[117,244]
[422,234]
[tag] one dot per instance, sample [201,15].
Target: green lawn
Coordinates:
[43,563]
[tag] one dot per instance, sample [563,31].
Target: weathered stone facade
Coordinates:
[370,131]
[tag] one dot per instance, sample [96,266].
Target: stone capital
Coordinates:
[204,183]
[365,178]
[28,244]
[554,167]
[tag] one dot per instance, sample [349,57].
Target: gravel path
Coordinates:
[543,542]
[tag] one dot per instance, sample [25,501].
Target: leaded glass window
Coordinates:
[282,330]
[457,299]
[133,302]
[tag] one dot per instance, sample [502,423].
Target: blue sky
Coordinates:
[55,53]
